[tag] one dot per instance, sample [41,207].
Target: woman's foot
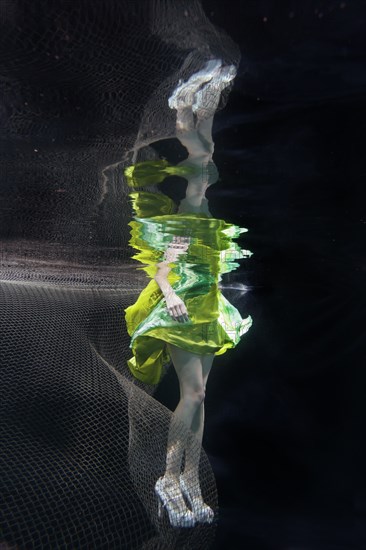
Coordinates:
[170,497]
[192,491]
[207,98]
[184,94]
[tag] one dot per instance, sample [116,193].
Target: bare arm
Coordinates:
[175,305]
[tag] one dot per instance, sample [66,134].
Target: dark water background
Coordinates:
[286,410]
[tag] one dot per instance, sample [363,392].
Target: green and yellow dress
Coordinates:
[214,325]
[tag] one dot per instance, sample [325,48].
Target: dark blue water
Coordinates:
[285,410]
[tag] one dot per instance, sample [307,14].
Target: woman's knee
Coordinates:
[195,396]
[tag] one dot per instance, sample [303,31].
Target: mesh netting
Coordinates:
[84,89]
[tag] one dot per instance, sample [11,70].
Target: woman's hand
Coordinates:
[176,307]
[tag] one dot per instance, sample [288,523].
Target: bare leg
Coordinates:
[192,371]
[188,367]
[198,149]
[195,441]
[189,480]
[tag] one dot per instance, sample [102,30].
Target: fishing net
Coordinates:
[84,93]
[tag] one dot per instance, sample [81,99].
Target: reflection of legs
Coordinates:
[198,141]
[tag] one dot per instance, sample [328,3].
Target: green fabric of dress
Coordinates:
[214,325]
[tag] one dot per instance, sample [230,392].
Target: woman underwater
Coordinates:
[181,315]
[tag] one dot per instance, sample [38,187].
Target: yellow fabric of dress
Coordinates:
[214,325]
